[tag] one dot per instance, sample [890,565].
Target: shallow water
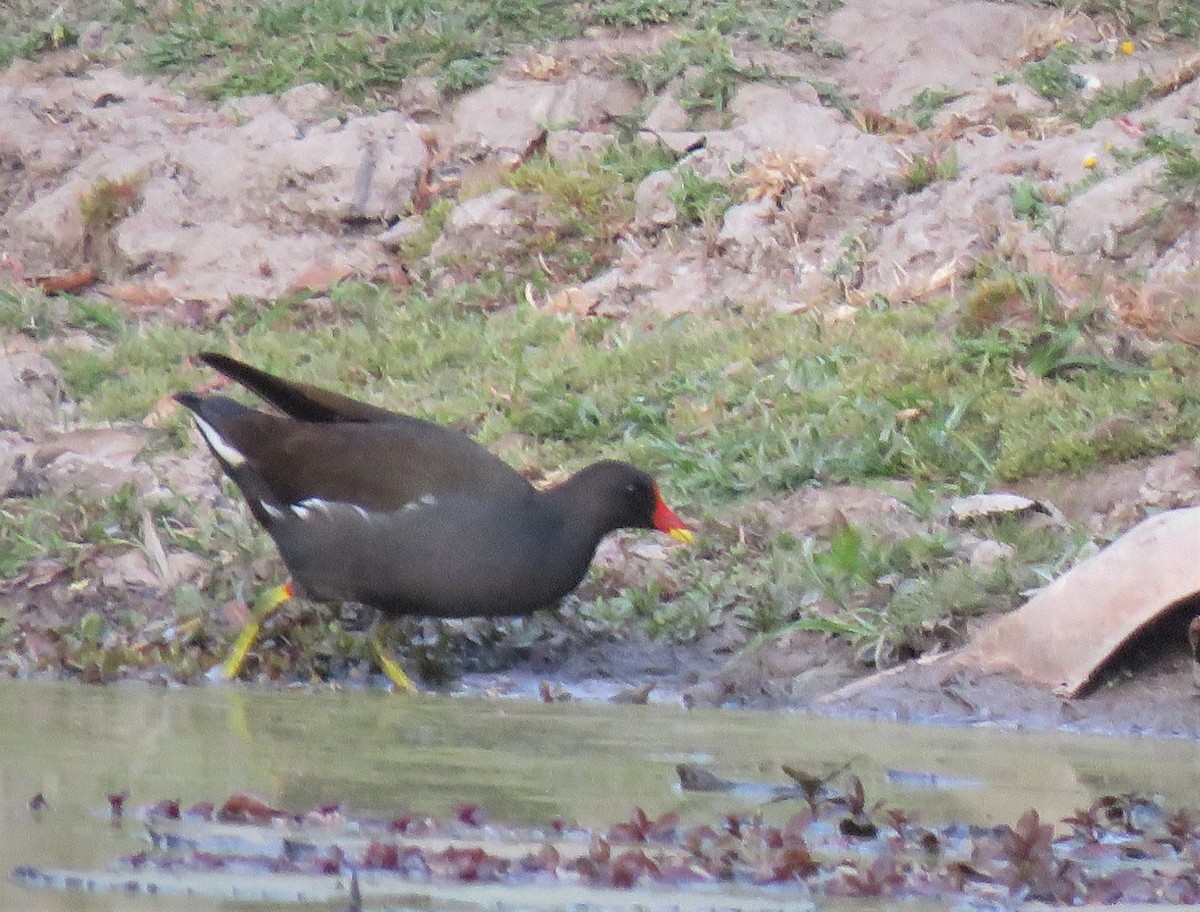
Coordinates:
[522,762]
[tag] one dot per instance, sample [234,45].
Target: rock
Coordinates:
[509,115]
[232,202]
[784,117]
[775,119]
[667,115]
[746,232]
[14,450]
[653,207]
[92,35]
[672,286]
[248,107]
[268,128]
[895,48]
[823,511]
[92,464]
[1171,481]
[191,477]
[215,260]
[31,391]
[306,103]
[402,231]
[976,507]
[571,145]
[25,140]
[133,568]
[814,289]
[937,234]
[482,224]
[1008,106]
[419,97]
[988,553]
[1105,217]
[366,170]
[678,141]
[54,221]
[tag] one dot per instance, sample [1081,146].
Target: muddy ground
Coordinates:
[262,196]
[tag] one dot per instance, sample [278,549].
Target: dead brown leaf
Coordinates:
[66,283]
[320,277]
[541,66]
[776,173]
[138,294]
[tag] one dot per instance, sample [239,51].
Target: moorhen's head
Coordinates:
[619,496]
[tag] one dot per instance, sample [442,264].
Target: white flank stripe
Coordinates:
[426,500]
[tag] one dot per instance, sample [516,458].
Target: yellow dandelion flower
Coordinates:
[1089,161]
[1127,48]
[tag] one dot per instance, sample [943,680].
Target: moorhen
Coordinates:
[407,516]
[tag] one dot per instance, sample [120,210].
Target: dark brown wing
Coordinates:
[379,466]
[301,401]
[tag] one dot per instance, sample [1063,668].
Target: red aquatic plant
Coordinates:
[116,804]
[471,815]
[641,828]
[881,878]
[242,807]
[791,862]
[167,809]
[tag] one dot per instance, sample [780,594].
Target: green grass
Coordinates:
[1052,76]
[698,200]
[29,39]
[1030,203]
[724,413]
[703,62]
[1181,171]
[1111,101]
[365,48]
[923,170]
[1180,18]
[42,526]
[920,109]
[573,213]
[630,13]
[753,404]
[354,46]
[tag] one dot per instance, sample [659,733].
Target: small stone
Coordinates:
[975,507]
[988,553]
[652,201]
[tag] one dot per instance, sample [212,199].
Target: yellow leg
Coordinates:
[389,666]
[267,605]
